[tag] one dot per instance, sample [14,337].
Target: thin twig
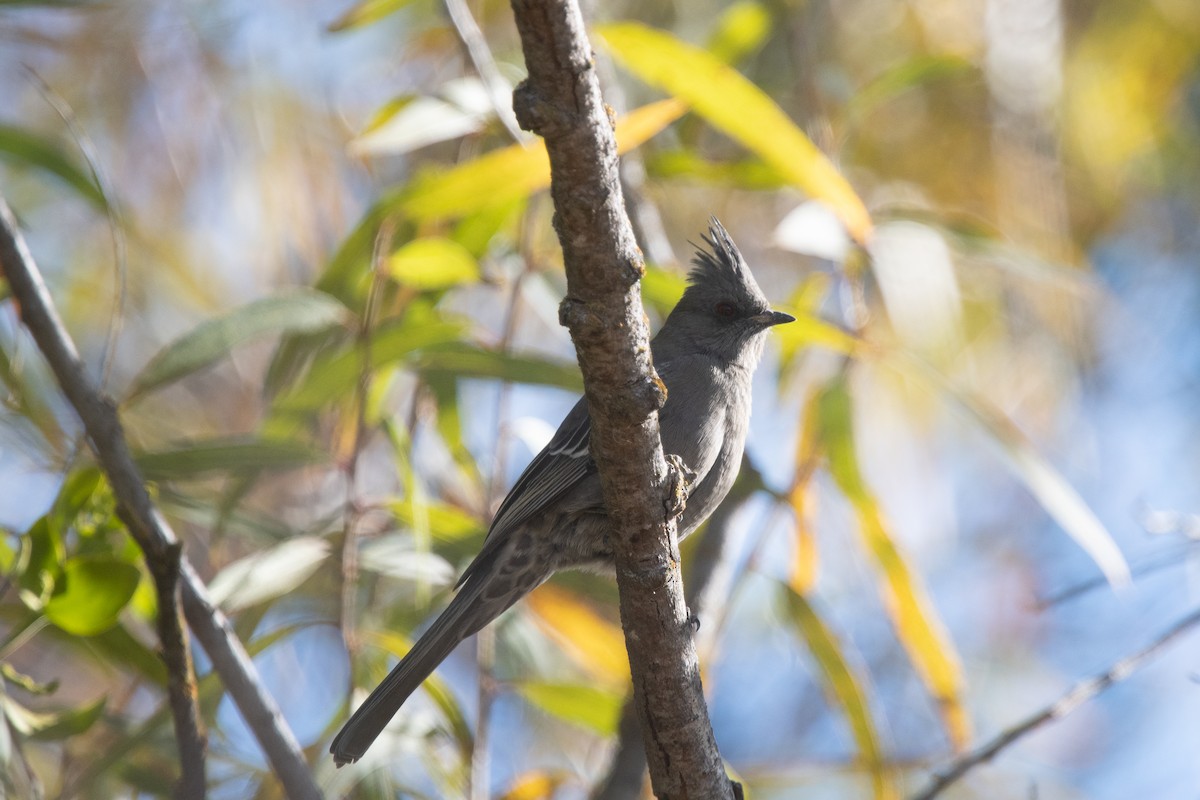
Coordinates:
[498,90]
[181,676]
[147,526]
[1080,693]
[353,509]
[120,263]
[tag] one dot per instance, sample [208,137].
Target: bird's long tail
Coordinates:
[483,597]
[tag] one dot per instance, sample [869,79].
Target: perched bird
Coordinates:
[554,518]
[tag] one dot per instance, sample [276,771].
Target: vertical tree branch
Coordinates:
[148,528]
[603,310]
[181,675]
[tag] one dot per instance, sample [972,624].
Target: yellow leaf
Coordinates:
[505,175]
[740,31]
[803,574]
[432,263]
[734,105]
[843,685]
[913,616]
[593,642]
[366,12]
[535,785]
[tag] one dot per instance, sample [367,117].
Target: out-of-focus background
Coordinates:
[300,244]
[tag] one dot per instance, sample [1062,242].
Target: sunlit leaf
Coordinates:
[268,574]
[235,454]
[432,263]
[802,576]
[1052,490]
[366,12]
[587,706]
[90,594]
[51,726]
[741,29]
[502,176]
[811,331]
[30,149]
[913,616]
[416,122]
[593,642]
[844,686]
[446,523]
[291,312]
[396,556]
[537,785]
[740,109]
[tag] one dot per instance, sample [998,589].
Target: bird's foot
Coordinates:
[679,481]
[692,622]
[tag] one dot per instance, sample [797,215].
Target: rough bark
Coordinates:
[561,102]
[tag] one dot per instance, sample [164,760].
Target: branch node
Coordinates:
[537,114]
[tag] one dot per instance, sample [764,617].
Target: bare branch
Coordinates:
[1079,694]
[603,310]
[148,528]
[481,58]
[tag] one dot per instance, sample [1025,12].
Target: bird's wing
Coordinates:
[560,465]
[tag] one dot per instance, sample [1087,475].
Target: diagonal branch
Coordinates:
[157,541]
[1079,694]
[603,309]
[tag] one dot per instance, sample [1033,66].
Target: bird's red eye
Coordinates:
[726,310]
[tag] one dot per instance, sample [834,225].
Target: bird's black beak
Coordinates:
[769,318]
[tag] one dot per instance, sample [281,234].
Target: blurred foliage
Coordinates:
[336,309]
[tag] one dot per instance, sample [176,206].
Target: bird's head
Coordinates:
[722,311]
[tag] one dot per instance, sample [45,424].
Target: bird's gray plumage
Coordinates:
[554,517]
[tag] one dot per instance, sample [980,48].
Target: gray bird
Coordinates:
[554,517]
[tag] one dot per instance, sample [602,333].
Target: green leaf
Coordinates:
[90,594]
[844,686]
[33,150]
[502,176]
[740,109]
[269,574]
[232,455]
[26,683]
[741,30]
[291,312]
[335,374]
[445,522]
[908,75]
[52,726]
[662,289]
[470,361]
[40,561]
[587,706]
[433,263]
[366,12]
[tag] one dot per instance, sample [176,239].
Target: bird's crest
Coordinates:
[721,266]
